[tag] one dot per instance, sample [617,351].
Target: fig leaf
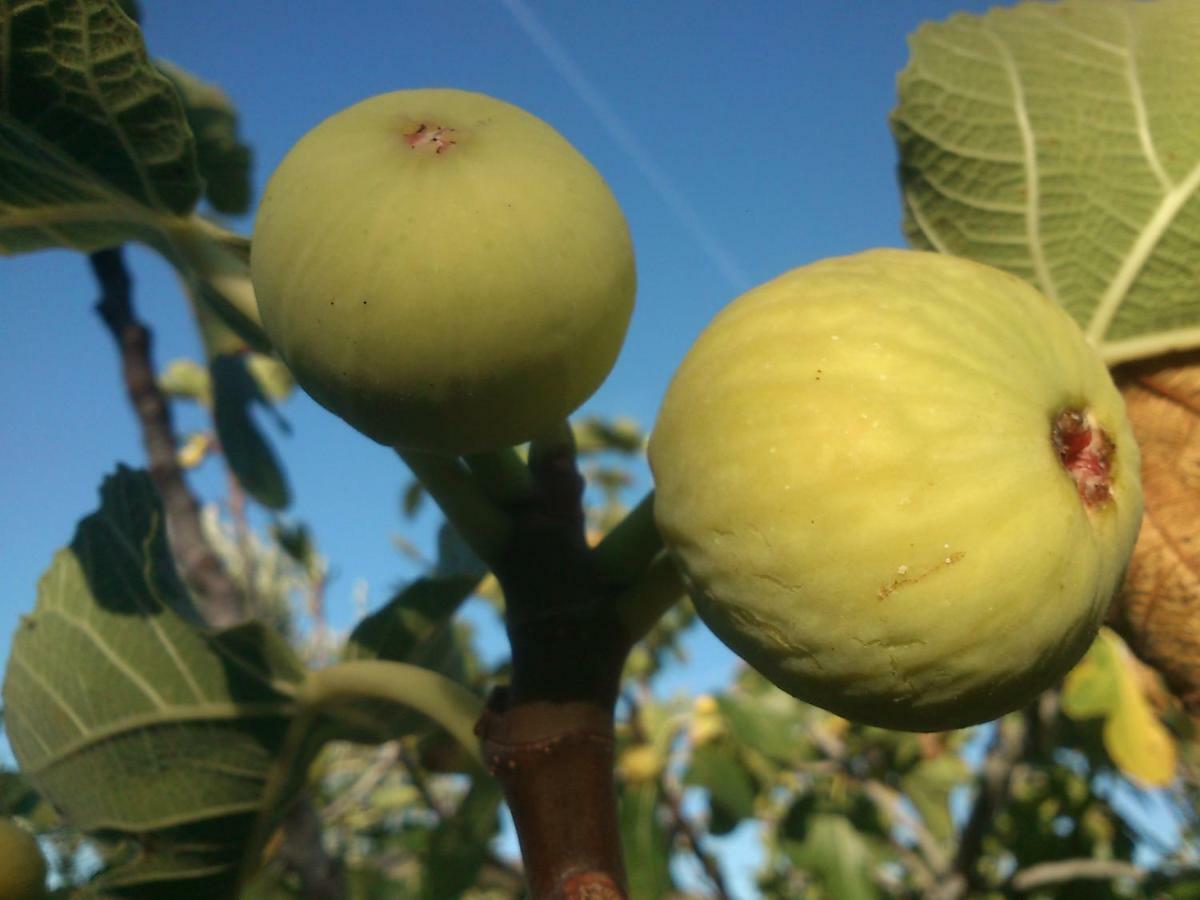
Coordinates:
[1108,683]
[88,158]
[1059,141]
[235,391]
[112,680]
[1158,612]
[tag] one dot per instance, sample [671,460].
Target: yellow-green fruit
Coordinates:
[22,868]
[900,485]
[443,270]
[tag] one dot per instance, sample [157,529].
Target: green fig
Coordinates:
[901,485]
[443,270]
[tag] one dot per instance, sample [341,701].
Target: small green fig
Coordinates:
[901,485]
[22,867]
[443,270]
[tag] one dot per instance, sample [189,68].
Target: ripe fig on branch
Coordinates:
[901,485]
[443,270]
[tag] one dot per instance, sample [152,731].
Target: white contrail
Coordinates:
[558,57]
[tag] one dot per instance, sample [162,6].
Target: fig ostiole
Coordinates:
[443,270]
[899,484]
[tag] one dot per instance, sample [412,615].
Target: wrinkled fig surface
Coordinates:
[443,271]
[901,485]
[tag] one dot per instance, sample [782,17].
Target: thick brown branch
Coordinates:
[219,599]
[555,762]
[549,737]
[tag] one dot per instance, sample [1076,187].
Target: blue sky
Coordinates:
[742,140]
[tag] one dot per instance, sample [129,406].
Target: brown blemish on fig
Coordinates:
[904,579]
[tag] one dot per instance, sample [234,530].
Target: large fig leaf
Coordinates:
[94,146]
[1061,141]
[139,724]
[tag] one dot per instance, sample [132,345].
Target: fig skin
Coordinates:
[856,472]
[443,270]
[22,866]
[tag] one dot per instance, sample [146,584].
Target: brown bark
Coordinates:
[555,762]
[1158,612]
[219,599]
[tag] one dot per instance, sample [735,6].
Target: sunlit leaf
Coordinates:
[274,378]
[1061,141]
[1135,737]
[136,722]
[186,379]
[1093,687]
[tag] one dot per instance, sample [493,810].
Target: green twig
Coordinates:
[446,702]
[627,550]
[502,475]
[658,589]
[482,524]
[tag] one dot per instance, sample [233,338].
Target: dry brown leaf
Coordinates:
[1158,613]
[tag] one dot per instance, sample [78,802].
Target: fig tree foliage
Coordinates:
[969,483]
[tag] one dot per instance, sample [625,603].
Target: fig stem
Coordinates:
[626,551]
[217,273]
[556,444]
[446,702]
[482,524]
[659,588]
[502,475]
